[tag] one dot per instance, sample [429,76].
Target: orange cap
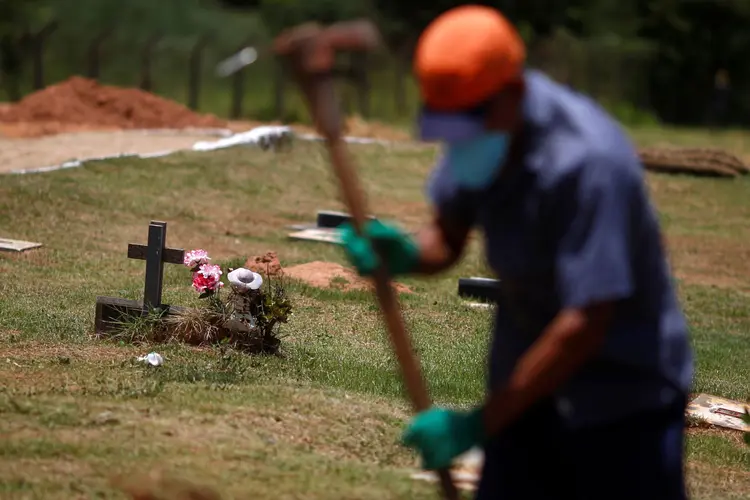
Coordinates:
[465,55]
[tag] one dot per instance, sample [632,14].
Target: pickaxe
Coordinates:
[311,50]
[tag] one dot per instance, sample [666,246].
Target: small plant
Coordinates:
[339,282]
[135,329]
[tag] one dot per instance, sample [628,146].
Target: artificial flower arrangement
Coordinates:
[247,317]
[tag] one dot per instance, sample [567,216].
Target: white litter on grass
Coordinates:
[322,234]
[479,305]
[152,358]
[465,472]
[218,132]
[50,168]
[348,139]
[264,136]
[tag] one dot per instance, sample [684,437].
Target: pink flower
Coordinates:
[210,271]
[207,278]
[195,258]
[203,283]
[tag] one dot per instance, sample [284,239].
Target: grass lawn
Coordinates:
[323,421]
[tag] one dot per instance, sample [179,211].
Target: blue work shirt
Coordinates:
[568,223]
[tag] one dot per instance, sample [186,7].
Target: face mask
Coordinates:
[475,163]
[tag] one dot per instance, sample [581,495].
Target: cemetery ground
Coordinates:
[323,420]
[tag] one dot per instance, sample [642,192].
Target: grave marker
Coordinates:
[17,245]
[156,254]
[485,289]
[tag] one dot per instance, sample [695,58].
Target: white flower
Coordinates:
[243,280]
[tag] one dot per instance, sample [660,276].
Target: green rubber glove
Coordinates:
[400,251]
[441,435]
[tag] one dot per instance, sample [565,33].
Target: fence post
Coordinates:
[194,77]
[147,82]
[238,88]
[12,59]
[361,63]
[37,48]
[401,71]
[279,89]
[94,53]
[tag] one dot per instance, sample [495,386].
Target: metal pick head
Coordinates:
[233,64]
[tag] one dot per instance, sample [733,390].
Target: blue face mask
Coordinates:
[477,162]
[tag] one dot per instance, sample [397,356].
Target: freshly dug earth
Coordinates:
[695,161]
[82,104]
[267,264]
[335,276]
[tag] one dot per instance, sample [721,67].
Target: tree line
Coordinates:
[694,64]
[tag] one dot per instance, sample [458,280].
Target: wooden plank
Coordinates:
[17,245]
[325,235]
[720,412]
[111,310]
[170,255]
[157,236]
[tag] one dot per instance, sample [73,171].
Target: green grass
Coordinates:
[323,420]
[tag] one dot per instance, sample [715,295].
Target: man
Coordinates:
[590,362]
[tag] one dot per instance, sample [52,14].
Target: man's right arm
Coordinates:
[441,244]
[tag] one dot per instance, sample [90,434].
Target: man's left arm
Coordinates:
[593,271]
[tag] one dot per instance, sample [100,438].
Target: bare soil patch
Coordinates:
[21,351]
[267,264]
[318,274]
[18,154]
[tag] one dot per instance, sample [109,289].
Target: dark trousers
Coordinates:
[640,457]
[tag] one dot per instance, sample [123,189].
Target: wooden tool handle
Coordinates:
[386,295]
[319,90]
[383,289]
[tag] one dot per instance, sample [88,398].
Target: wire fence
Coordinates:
[377,86]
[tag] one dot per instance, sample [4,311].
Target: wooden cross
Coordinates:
[155,253]
[110,309]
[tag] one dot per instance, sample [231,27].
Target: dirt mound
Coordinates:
[330,275]
[83,104]
[696,161]
[267,264]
